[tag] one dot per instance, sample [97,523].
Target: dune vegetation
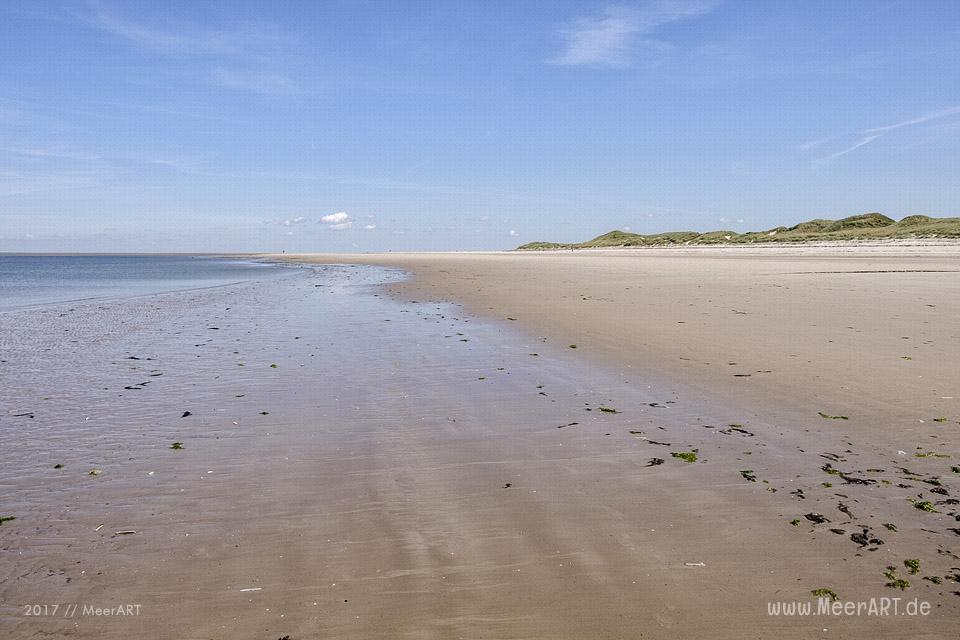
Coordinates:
[868,226]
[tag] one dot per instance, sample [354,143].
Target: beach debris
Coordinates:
[799,494]
[507,485]
[572,346]
[931,454]
[251,589]
[934,579]
[694,564]
[795,522]
[686,456]
[895,582]
[736,428]
[845,509]
[273,366]
[827,416]
[125,532]
[825,593]
[7,519]
[23,414]
[924,505]
[816,518]
[608,410]
[569,424]
[890,526]
[839,532]
[185,414]
[913,565]
[864,538]
[99,526]
[653,462]
[264,413]
[94,472]
[176,445]
[58,466]
[748,475]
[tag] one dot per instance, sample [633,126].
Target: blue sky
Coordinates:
[370,126]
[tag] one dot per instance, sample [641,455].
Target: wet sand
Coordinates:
[411,470]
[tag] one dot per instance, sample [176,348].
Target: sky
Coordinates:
[448,125]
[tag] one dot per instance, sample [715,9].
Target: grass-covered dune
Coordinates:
[869,226]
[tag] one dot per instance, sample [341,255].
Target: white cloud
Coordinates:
[607,40]
[369,227]
[339,221]
[289,222]
[513,233]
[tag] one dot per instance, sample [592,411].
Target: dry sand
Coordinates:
[419,473]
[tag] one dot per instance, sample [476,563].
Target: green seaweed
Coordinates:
[827,484]
[687,456]
[830,417]
[7,519]
[748,475]
[934,579]
[925,505]
[58,466]
[931,454]
[273,366]
[608,410]
[940,419]
[955,469]
[913,565]
[795,522]
[825,593]
[176,445]
[890,526]
[572,346]
[895,582]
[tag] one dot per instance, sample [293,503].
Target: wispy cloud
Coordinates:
[869,135]
[608,40]
[184,40]
[242,57]
[936,115]
[257,82]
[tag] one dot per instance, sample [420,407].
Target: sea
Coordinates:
[30,280]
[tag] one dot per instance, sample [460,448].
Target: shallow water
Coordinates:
[34,280]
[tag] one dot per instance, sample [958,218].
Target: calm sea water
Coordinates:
[26,281]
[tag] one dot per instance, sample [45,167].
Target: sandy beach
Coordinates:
[368,456]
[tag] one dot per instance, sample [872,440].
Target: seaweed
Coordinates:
[176,445]
[827,416]
[795,522]
[653,462]
[58,466]
[925,505]
[825,593]
[895,582]
[748,475]
[608,410]
[687,456]
[816,518]
[913,565]
[7,519]
[890,526]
